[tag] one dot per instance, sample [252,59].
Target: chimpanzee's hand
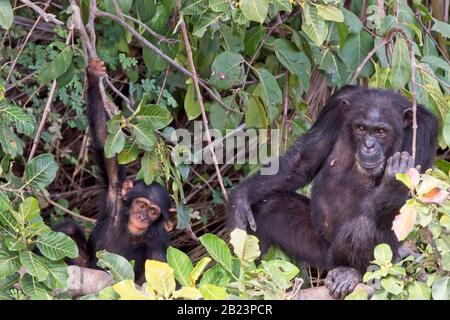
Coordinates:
[341,281]
[240,208]
[398,163]
[97,68]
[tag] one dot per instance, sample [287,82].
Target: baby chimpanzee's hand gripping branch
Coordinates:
[132,215]
[362,138]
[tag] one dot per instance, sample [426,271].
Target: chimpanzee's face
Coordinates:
[374,136]
[142,213]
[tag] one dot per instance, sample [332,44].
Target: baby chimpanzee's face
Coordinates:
[142,214]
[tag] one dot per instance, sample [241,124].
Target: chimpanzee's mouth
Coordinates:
[368,165]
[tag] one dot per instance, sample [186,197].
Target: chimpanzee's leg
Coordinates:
[285,220]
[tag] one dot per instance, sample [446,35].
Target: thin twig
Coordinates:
[200,99]
[46,110]
[57,205]
[48,17]
[120,94]
[163,86]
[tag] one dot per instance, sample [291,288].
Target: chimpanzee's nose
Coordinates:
[369,145]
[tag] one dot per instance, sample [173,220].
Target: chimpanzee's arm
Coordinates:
[97,124]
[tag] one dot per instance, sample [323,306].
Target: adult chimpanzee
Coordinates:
[361,139]
[132,215]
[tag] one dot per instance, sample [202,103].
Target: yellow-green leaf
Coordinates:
[245,246]
[160,277]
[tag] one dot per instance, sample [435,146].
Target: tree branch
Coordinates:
[48,17]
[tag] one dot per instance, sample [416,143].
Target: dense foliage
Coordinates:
[260,64]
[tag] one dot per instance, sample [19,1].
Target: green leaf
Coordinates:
[253,38]
[34,265]
[119,267]
[181,265]
[335,68]
[7,219]
[245,246]
[401,65]
[354,49]
[40,171]
[160,277]
[255,114]
[58,66]
[436,62]
[57,275]
[9,141]
[6,14]
[129,153]
[419,291]
[28,210]
[446,129]
[358,294]
[270,91]
[207,19]
[216,276]
[352,21]
[222,118]
[24,122]
[212,292]
[441,288]
[392,285]
[283,5]
[153,61]
[124,5]
[57,245]
[191,104]
[313,25]
[281,272]
[7,282]
[31,287]
[149,166]
[9,263]
[187,293]
[218,250]
[442,27]
[330,13]
[194,7]
[227,70]
[199,268]
[255,10]
[383,253]
[295,61]
[219,5]
[144,134]
[145,9]
[158,117]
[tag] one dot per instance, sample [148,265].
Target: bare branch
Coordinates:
[48,17]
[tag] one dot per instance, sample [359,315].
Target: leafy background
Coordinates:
[260,63]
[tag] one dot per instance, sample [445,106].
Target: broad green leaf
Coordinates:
[358,294]
[207,19]
[34,265]
[129,153]
[144,134]
[253,38]
[153,61]
[212,292]
[219,5]
[352,21]
[227,70]
[330,13]
[199,267]
[441,288]
[57,245]
[270,91]
[191,104]
[119,267]
[149,166]
[160,277]
[392,285]
[245,246]
[58,275]
[181,265]
[158,117]
[313,25]
[419,291]
[442,27]
[255,114]
[255,10]
[127,291]
[40,171]
[109,293]
[281,272]
[218,250]
[9,141]
[9,263]
[216,276]
[295,61]
[383,253]
[6,14]
[222,118]
[187,293]
[401,65]
[24,122]
[58,66]
[446,261]
[28,210]
[7,219]
[354,49]
[145,9]
[436,62]
[194,7]
[124,5]
[33,288]
[7,282]
[283,5]
[115,141]
[335,68]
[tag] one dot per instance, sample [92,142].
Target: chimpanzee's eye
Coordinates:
[141,205]
[361,128]
[381,131]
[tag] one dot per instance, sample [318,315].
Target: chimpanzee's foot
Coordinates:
[341,281]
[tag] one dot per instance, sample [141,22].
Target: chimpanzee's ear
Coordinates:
[127,185]
[170,223]
[407,117]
